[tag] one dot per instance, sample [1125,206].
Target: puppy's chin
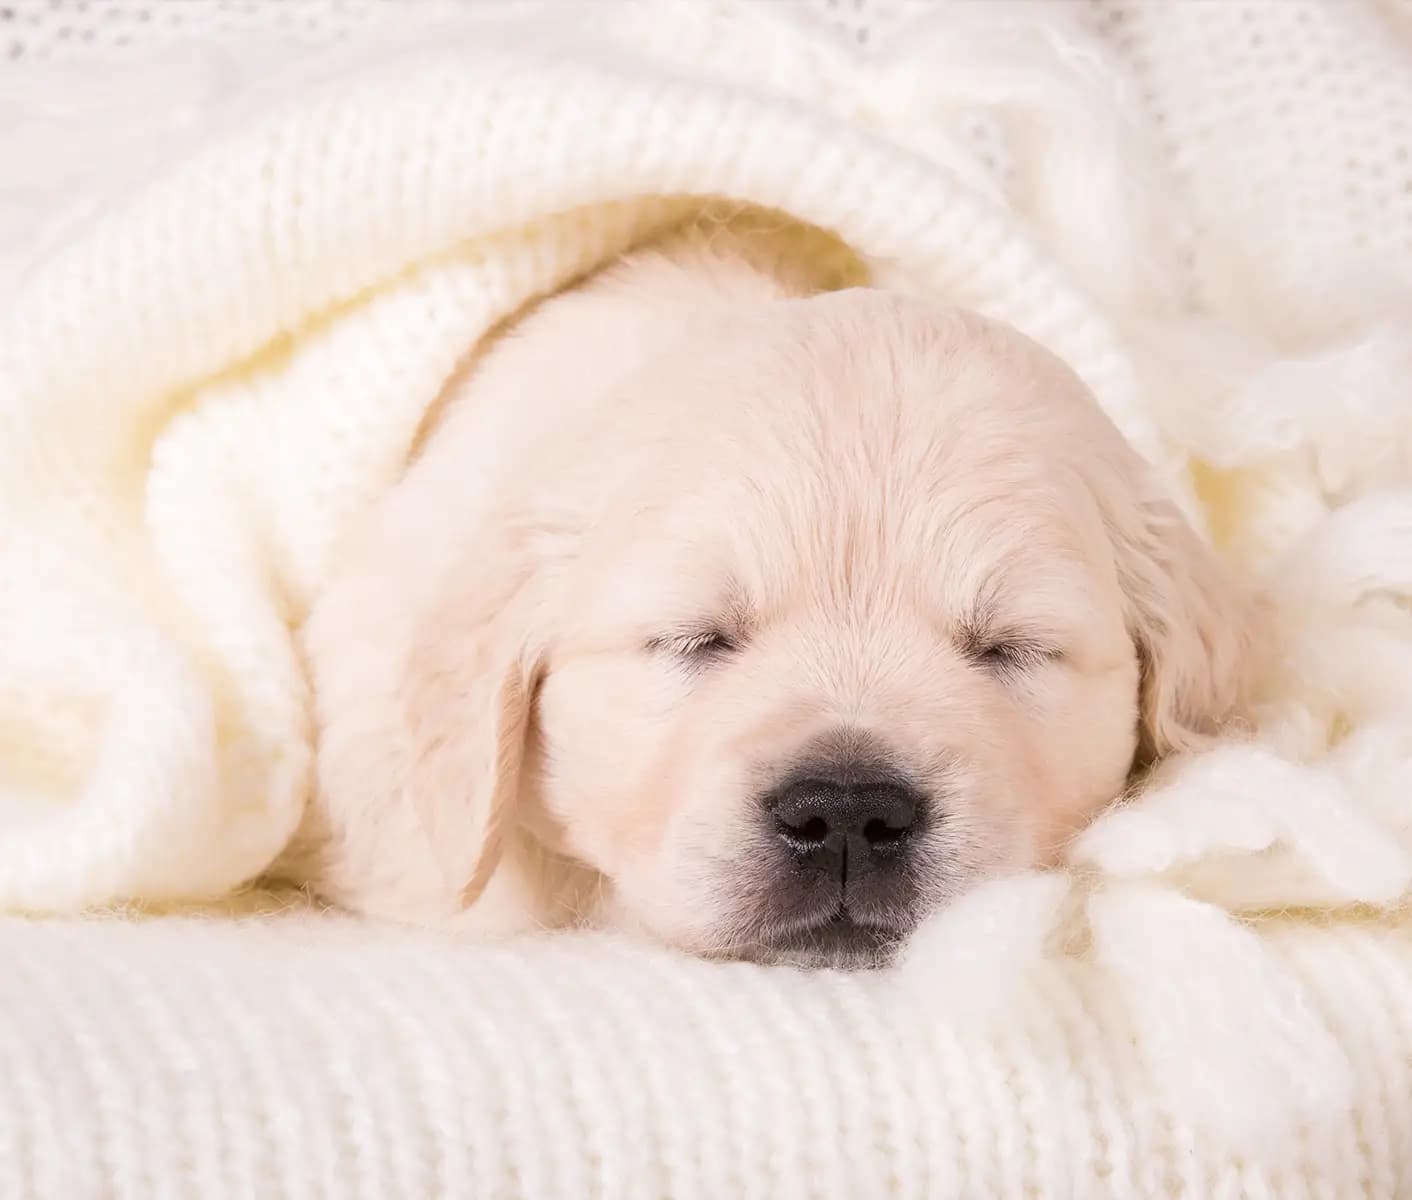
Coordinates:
[833,945]
[836,943]
[832,940]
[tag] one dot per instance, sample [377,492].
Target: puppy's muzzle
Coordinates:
[845,829]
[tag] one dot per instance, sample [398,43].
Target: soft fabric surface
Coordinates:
[320,1058]
[1207,209]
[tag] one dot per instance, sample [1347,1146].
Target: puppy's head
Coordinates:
[843,604]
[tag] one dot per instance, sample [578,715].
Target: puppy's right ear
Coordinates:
[420,655]
[469,689]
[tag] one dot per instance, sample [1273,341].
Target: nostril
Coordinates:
[879,833]
[889,816]
[810,832]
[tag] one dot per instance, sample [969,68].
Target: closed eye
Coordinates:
[1011,655]
[696,648]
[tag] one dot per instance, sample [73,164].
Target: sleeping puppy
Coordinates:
[762,621]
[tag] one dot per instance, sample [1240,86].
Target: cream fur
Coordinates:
[1201,207]
[857,486]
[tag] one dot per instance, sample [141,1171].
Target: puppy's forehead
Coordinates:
[859,442]
[866,356]
[943,549]
[932,537]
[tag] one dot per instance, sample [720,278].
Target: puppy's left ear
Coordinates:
[1196,628]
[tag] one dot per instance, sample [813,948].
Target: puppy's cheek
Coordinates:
[1080,747]
[1048,793]
[999,782]
[607,725]
[1002,815]
[688,887]
[653,903]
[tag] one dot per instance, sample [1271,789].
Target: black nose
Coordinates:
[845,825]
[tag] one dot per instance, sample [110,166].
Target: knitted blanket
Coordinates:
[1206,209]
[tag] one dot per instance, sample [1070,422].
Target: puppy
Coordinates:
[760,620]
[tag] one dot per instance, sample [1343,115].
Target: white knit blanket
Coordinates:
[1205,208]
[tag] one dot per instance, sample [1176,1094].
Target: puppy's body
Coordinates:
[763,620]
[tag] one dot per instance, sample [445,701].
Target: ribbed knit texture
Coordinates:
[289,1057]
[212,369]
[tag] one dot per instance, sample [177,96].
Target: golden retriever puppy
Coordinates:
[762,621]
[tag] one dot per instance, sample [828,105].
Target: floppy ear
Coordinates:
[423,680]
[469,690]
[1195,627]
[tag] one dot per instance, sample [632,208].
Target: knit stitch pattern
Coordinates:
[206,378]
